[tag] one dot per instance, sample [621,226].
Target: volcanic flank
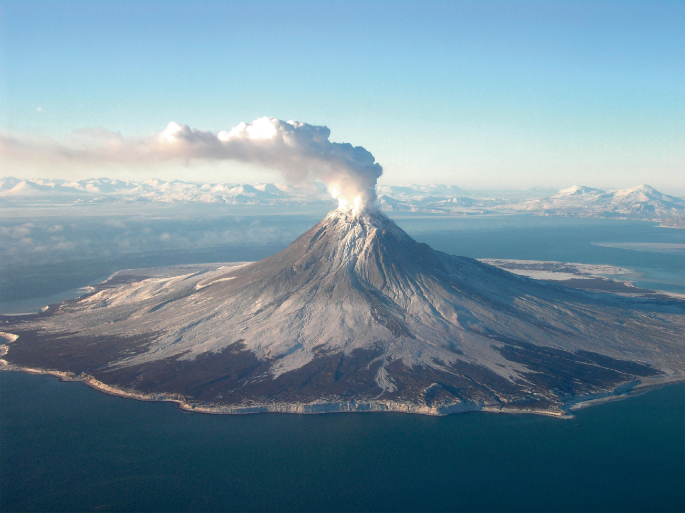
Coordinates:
[353,315]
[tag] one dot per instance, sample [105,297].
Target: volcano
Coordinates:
[354,315]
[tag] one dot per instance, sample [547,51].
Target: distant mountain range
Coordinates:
[642,202]
[105,190]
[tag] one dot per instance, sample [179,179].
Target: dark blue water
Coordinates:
[562,240]
[66,447]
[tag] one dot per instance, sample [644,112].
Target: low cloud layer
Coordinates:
[301,152]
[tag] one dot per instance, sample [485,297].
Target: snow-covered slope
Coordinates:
[15,189]
[643,202]
[356,314]
[97,190]
[443,199]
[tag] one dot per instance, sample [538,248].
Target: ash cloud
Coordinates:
[301,152]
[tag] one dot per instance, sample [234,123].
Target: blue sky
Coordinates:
[477,94]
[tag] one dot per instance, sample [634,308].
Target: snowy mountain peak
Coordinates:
[577,190]
[367,225]
[366,217]
[643,192]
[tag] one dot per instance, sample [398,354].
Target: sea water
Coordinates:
[655,255]
[65,447]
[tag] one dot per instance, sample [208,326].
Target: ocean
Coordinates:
[66,447]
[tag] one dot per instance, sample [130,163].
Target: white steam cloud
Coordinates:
[300,151]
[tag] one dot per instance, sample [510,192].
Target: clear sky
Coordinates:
[476,94]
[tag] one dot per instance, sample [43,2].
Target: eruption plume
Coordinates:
[298,150]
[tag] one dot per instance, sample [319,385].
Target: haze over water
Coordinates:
[105,239]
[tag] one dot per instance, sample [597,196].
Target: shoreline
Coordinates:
[564,411]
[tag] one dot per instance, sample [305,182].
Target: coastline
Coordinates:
[564,411]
